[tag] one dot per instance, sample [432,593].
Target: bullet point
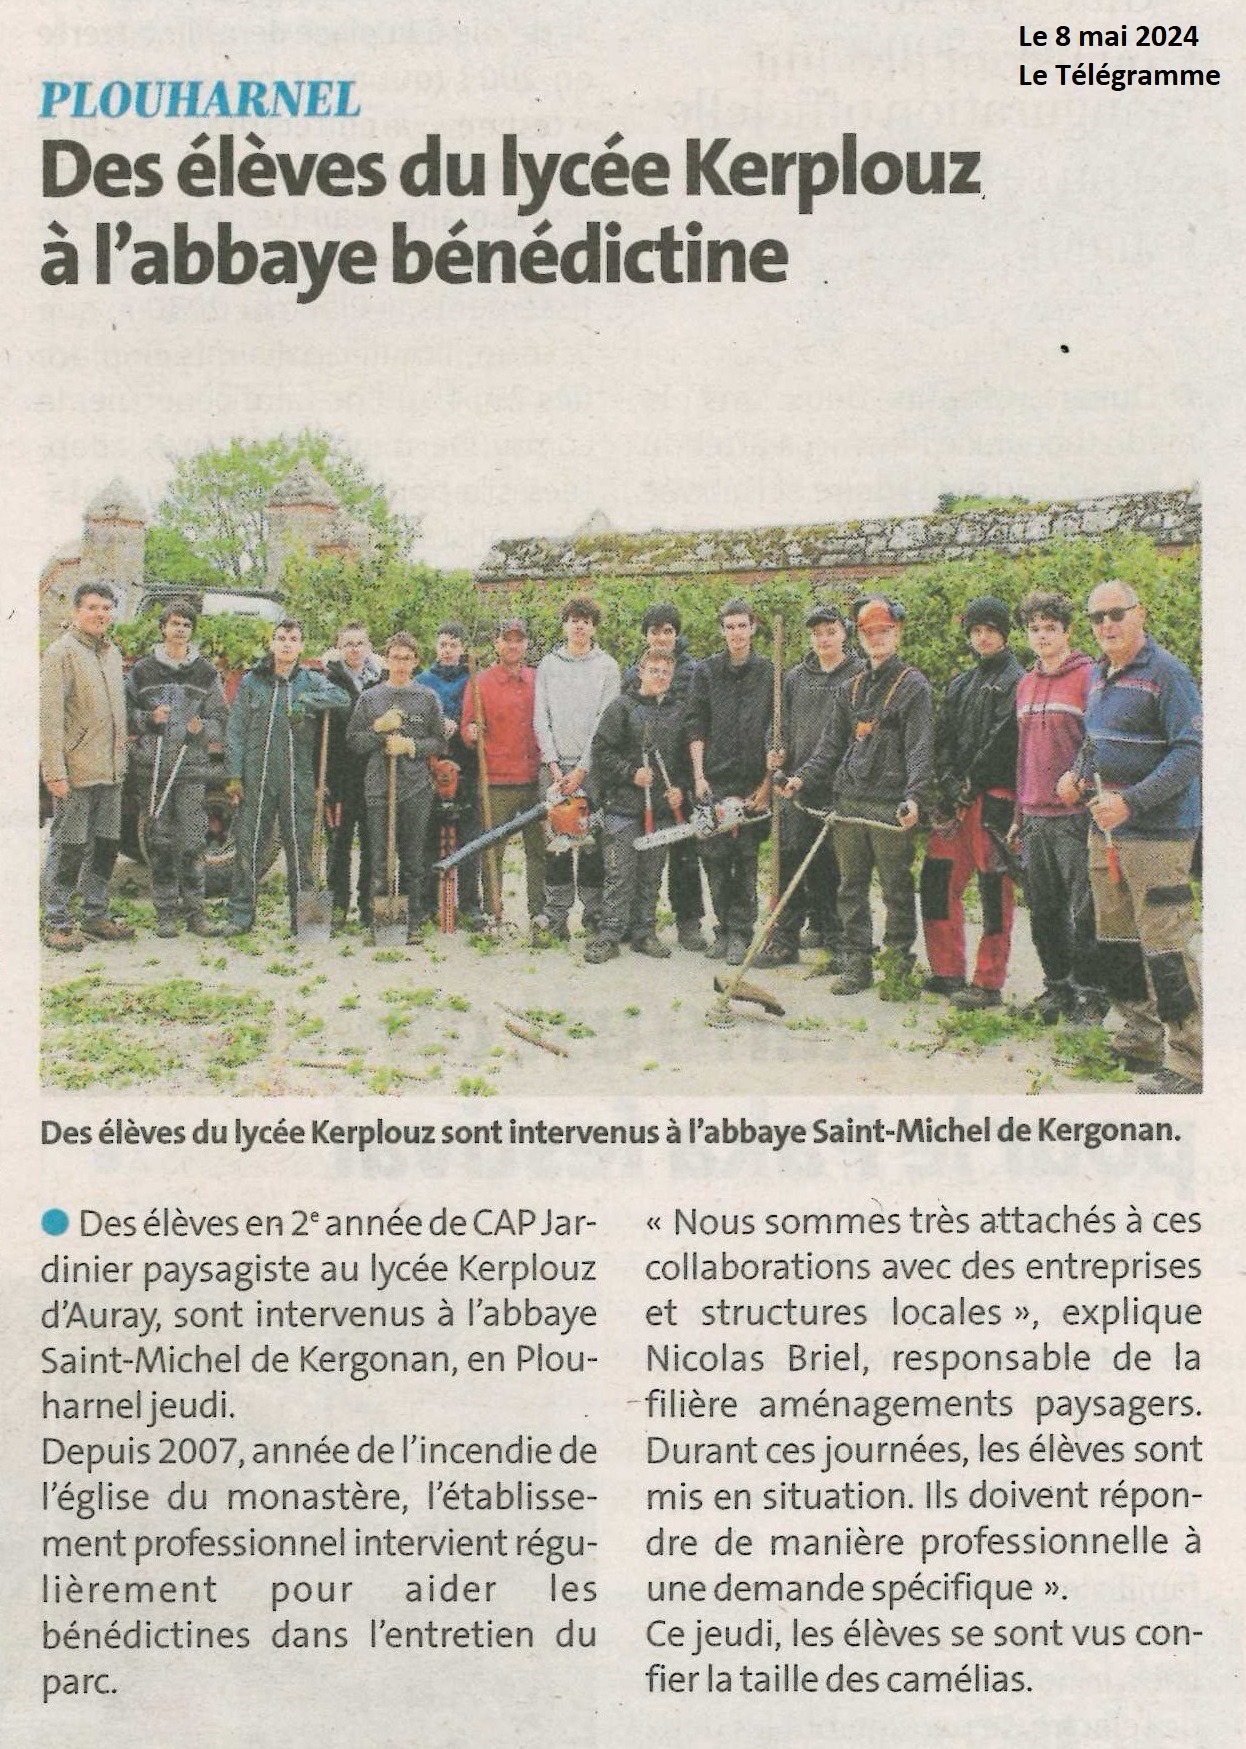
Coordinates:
[55,1222]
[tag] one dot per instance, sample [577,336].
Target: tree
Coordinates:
[217,501]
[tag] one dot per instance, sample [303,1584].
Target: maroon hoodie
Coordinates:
[1051,713]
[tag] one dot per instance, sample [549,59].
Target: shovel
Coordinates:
[391,915]
[313,910]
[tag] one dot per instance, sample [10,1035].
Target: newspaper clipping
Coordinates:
[609,901]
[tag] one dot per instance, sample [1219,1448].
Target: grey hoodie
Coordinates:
[571,693]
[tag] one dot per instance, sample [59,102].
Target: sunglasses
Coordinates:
[1115,614]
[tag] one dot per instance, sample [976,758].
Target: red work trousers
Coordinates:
[951,858]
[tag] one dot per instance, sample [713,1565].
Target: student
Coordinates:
[399,719]
[447,677]
[177,711]
[728,724]
[574,684]
[351,665]
[975,797]
[1051,725]
[509,753]
[877,756]
[661,626]
[272,739]
[640,734]
[809,691]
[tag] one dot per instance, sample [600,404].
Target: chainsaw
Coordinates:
[708,820]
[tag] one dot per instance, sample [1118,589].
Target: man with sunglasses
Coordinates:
[1139,774]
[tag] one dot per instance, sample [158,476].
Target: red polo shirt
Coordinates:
[507,699]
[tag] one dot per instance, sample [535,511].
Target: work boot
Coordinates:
[199,923]
[166,925]
[1170,1081]
[1088,1007]
[651,946]
[976,996]
[857,975]
[689,935]
[106,929]
[1051,1004]
[778,953]
[717,948]
[737,950]
[67,940]
[938,984]
[601,949]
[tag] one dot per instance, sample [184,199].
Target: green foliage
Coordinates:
[957,503]
[217,500]
[168,557]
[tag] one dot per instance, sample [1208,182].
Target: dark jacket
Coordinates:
[423,723]
[730,711]
[1144,737]
[190,689]
[808,699]
[345,772]
[976,732]
[449,682]
[878,749]
[630,726]
[282,718]
[681,679]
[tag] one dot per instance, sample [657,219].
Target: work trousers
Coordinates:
[353,824]
[260,813]
[82,849]
[816,899]
[1145,923]
[951,859]
[859,850]
[1062,907]
[633,880]
[410,846]
[505,801]
[731,868]
[176,838]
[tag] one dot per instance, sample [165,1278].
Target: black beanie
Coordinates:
[987,610]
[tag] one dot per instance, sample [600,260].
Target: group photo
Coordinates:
[717,811]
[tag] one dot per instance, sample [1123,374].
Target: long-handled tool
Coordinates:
[1114,855]
[158,808]
[644,760]
[495,835]
[733,987]
[666,780]
[446,784]
[491,864]
[776,740]
[391,914]
[313,907]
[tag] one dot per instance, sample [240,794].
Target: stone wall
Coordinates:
[845,551]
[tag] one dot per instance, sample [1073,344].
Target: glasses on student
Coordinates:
[1115,614]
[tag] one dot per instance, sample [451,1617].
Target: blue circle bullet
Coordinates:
[55,1222]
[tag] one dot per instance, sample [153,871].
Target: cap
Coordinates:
[877,611]
[512,625]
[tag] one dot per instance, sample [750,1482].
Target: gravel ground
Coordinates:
[262,1016]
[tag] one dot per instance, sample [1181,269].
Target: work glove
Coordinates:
[398,745]
[389,722]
